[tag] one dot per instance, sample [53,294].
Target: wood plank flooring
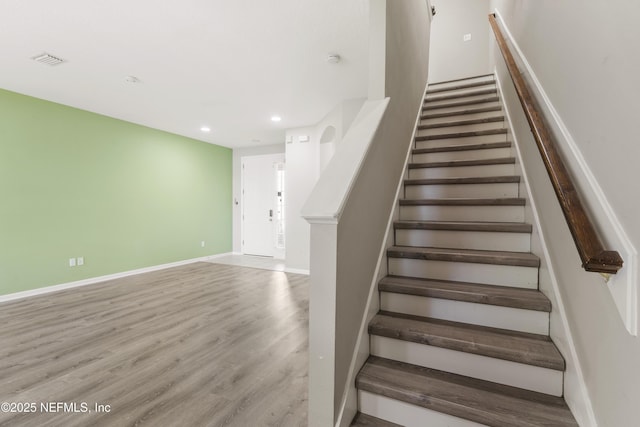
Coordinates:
[196,345]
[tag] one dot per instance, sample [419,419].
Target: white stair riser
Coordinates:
[457,108]
[489,274]
[462,91]
[462,213]
[437,191]
[462,171]
[528,377]
[433,143]
[515,319]
[433,102]
[471,116]
[444,156]
[481,240]
[437,85]
[406,414]
[460,128]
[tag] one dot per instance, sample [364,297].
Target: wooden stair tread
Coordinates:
[454,113]
[519,259]
[460,163]
[460,103]
[461,95]
[519,347]
[461,112]
[504,201]
[487,132]
[364,420]
[462,86]
[501,227]
[463,147]
[462,123]
[505,296]
[466,180]
[476,400]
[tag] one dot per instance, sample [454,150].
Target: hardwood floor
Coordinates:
[197,345]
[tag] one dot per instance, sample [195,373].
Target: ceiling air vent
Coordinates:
[45,58]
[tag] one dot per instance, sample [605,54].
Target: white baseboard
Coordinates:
[296,271]
[99,279]
[206,258]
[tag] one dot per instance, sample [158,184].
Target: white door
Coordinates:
[259,198]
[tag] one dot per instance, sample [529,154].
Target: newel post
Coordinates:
[322,322]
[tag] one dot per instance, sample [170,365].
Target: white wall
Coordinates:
[238,153]
[450,56]
[584,55]
[303,169]
[363,223]
[305,162]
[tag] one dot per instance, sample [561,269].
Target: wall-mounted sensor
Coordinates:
[333,58]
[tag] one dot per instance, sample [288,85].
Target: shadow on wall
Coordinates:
[327,146]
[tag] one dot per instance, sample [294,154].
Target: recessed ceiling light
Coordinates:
[205,129]
[276,118]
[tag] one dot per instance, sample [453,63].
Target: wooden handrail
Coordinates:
[592,253]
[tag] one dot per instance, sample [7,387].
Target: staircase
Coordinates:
[462,337]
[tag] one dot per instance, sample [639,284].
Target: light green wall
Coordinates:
[123,196]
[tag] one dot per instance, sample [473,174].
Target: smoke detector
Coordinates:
[45,58]
[333,58]
[132,79]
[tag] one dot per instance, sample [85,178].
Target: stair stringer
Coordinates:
[575,390]
[349,402]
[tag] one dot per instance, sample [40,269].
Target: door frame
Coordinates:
[278,253]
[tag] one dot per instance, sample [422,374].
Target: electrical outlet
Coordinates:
[72,262]
[202,244]
[80,261]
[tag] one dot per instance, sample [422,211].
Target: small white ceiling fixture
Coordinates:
[333,58]
[276,118]
[132,79]
[45,58]
[205,129]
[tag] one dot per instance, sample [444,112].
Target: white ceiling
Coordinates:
[226,64]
